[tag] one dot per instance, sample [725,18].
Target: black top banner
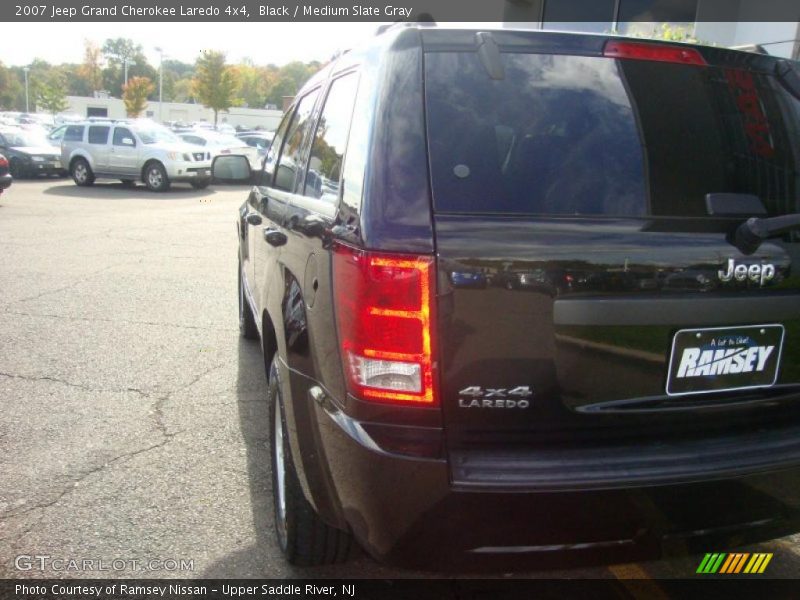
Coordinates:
[527,11]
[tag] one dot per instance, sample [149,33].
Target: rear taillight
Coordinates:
[385,312]
[654,52]
[3,161]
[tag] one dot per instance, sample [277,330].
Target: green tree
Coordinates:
[289,79]
[135,94]
[51,95]
[116,52]
[214,82]
[665,31]
[182,90]
[11,88]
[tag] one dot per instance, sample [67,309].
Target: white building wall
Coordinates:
[175,111]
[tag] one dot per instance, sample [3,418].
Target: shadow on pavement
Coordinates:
[119,190]
[257,560]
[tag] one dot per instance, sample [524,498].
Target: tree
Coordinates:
[289,79]
[117,52]
[135,94]
[214,83]
[11,88]
[92,68]
[52,95]
[672,33]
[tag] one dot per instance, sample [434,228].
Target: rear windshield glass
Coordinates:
[573,135]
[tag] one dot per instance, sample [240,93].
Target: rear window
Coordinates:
[570,135]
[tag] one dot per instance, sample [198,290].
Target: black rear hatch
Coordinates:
[592,293]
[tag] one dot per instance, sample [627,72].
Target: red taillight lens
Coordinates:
[3,161]
[385,312]
[655,52]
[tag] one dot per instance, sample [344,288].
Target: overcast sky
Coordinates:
[264,43]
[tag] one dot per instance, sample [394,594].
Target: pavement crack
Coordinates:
[76,482]
[75,283]
[72,384]
[161,401]
[126,321]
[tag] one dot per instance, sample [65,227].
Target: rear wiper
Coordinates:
[750,234]
[789,75]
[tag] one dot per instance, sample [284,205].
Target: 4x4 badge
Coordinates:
[759,274]
[479,397]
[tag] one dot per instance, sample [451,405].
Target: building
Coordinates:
[114,108]
[721,22]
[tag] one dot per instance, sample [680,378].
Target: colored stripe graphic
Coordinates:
[758,563]
[723,563]
[734,563]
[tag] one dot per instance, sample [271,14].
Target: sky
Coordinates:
[264,43]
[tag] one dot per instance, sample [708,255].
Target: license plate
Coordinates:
[202,173]
[723,359]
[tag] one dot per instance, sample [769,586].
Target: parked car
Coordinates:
[260,141]
[133,151]
[29,154]
[5,176]
[435,422]
[222,143]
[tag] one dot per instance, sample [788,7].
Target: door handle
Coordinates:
[254,219]
[274,237]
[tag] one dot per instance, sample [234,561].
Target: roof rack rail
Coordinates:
[424,19]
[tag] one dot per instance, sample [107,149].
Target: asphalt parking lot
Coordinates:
[132,417]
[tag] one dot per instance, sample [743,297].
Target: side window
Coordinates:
[123,137]
[3,141]
[289,163]
[74,133]
[327,151]
[98,134]
[272,155]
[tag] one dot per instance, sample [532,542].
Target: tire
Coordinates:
[155,177]
[81,172]
[304,539]
[15,169]
[200,184]
[247,322]
[128,182]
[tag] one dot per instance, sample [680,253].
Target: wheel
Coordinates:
[82,172]
[128,182]
[247,322]
[16,169]
[304,538]
[155,178]
[200,184]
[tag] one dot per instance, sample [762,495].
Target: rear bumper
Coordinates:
[409,512]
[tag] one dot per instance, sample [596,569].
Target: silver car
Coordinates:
[133,151]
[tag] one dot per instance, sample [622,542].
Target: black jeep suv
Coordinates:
[635,391]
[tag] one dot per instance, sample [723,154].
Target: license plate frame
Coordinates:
[693,371]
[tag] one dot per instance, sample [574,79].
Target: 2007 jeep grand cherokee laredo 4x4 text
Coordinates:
[528,292]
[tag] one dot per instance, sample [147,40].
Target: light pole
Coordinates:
[126,62]
[160,83]
[27,106]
